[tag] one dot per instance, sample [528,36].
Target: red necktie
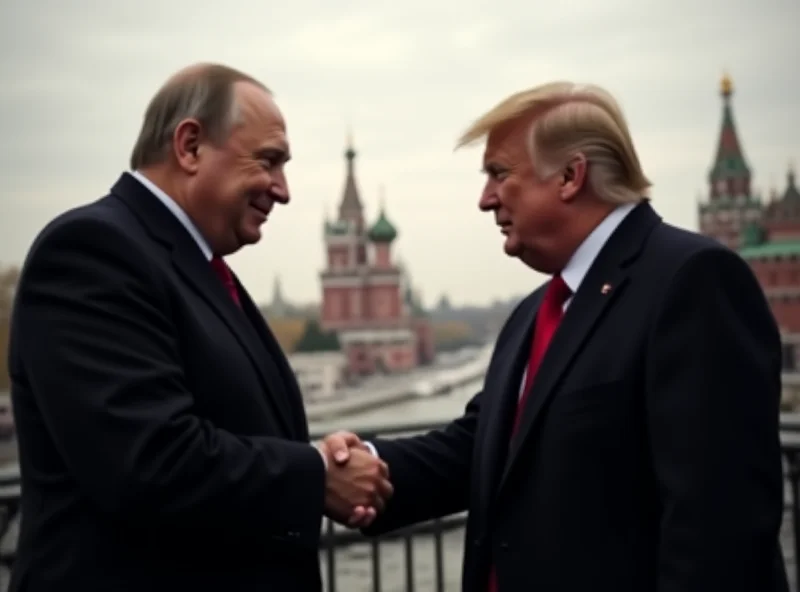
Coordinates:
[547,319]
[224,273]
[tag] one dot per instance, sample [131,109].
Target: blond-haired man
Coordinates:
[162,438]
[626,437]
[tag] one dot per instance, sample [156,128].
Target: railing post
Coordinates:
[439,554]
[376,565]
[408,546]
[331,555]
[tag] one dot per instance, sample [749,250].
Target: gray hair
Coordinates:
[203,92]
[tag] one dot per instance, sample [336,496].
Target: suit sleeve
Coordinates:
[430,473]
[712,405]
[101,353]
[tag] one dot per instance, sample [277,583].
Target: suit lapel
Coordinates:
[293,396]
[604,282]
[198,273]
[501,392]
[192,266]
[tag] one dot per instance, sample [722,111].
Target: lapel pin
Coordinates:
[605,289]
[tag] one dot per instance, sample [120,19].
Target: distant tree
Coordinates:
[451,335]
[287,332]
[8,284]
[314,339]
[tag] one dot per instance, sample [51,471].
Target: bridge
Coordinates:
[424,557]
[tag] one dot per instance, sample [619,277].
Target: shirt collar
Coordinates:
[578,266]
[178,212]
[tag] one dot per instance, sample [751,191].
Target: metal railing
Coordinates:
[335,539]
[338,541]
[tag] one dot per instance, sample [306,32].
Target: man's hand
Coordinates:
[357,482]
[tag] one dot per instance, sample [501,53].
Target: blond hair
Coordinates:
[570,119]
[203,92]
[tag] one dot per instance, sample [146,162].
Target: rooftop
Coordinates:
[781,248]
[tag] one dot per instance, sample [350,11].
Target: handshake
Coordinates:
[356,482]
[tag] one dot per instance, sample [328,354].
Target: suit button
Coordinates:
[504,546]
[477,541]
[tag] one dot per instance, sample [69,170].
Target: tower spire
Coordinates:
[792,193]
[350,207]
[277,291]
[729,174]
[726,86]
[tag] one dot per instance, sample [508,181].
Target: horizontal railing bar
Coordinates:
[388,430]
[789,425]
[351,537]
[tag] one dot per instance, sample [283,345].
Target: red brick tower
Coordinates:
[766,235]
[731,204]
[362,297]
[773,250]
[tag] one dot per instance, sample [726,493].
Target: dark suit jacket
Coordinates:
[648,457]
[162,439]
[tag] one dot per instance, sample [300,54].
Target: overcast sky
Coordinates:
[407,77]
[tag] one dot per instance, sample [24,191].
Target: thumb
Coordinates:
[339,445]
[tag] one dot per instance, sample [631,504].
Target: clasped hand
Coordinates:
[356,483]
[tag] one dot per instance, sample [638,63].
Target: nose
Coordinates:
[279,187]
[489,200]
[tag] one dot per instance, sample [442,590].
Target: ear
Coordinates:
[186,142]
[573,177]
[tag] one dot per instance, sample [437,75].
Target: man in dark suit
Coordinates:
[626,437]
[163,442]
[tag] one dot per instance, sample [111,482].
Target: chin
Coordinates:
[512,248]
[250,236]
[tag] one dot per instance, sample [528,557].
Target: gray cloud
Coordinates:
[408,77]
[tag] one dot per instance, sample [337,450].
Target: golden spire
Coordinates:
[726,85]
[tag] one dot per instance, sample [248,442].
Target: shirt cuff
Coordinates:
[372,449]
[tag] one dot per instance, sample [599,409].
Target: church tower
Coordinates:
[729,176]
[346,250]
[765,234]
[362,298]
[731,205]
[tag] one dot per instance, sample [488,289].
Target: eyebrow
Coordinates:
[493,167]
[279,153]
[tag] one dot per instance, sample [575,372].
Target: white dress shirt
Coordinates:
[583,258]
[177,211]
